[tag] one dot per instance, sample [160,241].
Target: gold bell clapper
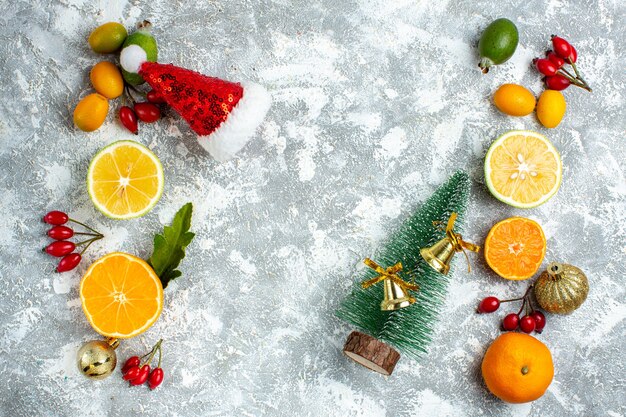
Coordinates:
[97,358]
[439,255]
[396,290]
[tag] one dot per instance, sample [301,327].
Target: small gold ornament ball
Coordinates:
[97,359]
[561,288]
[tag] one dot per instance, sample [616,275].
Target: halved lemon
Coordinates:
[125,180]
[121,295]
[523,169]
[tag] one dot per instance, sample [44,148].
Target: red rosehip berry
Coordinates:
[132,373]
[142,376]
[527,324]
[557,82]
[60,248]
[561,47]
[154,97]
[69,262]
[573,56]
[156,377]
[128,118]
[555,59]
[60,233]
[56,217]
[546,67]
[510,322]
[488,305]
[147,112]
[130,363]
[540,320]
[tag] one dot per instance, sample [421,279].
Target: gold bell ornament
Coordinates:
[396,290]
[97,358]
[439,255]
[561,288]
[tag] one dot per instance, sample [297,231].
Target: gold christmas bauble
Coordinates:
[97,359]
[561,288]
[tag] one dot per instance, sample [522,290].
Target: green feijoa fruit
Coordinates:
[497,43]
[145,41]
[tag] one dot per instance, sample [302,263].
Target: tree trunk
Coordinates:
[371,353]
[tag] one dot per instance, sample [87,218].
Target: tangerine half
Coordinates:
[121,295]
[515,248]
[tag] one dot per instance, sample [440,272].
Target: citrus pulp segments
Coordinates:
[121,295]
[523,169]
[515,234]
[125,180]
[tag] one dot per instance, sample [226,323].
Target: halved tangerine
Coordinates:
[515,248]
[121,295]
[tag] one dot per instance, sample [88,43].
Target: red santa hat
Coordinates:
[224,114]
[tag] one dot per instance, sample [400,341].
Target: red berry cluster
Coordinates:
[62,248]
[147,111]
[137,372]
[552,66]
[533,320]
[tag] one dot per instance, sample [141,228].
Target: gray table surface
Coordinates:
[375,104]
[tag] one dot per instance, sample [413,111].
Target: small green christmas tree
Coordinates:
[409,329]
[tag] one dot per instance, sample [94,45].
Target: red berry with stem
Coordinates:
[60,248]
[147,112]
[510,322]
[132,373]
[69,262]
[130,363]
[156,377]
[154,97]
[561,47]
[527,324]
[546,67]
[137,373]
[540,320]
[573,56]
[555,59]
[128,118]
[65,232]
[557,82]
[142,376]
[56,217]
[488,305]
[60,232]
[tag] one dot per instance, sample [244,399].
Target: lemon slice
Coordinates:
[125,180]
[523,169]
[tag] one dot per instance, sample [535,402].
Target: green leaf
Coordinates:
[169,248]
